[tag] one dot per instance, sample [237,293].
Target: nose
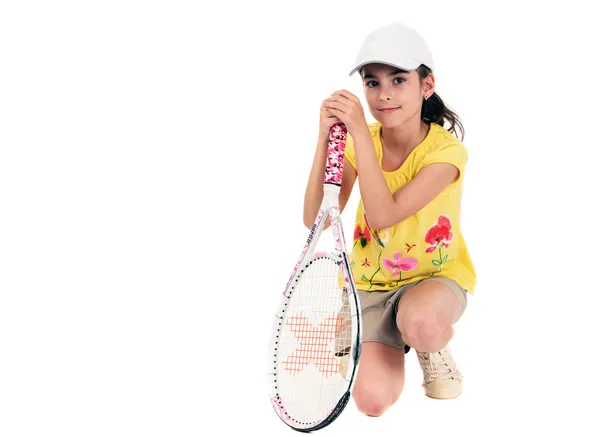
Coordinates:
[385,92]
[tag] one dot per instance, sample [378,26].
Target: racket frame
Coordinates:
[329,208]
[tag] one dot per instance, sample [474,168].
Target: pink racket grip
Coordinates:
[335,154]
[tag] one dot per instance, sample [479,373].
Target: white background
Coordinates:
[143,253]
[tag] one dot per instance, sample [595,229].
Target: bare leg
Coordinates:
[426,314]
[425,317]
[380,378]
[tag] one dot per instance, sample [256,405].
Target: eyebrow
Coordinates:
[393,73]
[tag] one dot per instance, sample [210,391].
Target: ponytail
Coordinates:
[435,111]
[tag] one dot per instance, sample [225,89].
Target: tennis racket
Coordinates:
[315,342]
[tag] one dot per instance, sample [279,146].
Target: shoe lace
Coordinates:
[438,365]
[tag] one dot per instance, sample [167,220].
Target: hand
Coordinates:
[327,119]
[346,107]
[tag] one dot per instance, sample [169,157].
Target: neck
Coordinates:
[406,136]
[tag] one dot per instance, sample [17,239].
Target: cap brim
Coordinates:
[408,65]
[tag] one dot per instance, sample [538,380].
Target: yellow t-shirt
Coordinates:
[426,244]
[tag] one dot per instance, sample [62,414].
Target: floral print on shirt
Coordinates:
[438,236]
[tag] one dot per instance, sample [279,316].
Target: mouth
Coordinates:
[388,110]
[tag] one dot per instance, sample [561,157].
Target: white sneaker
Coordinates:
[441,378]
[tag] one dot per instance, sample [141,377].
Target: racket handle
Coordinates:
[335,154]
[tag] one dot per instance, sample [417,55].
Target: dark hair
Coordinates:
[435,111]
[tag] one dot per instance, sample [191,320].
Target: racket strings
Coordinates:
[316,341]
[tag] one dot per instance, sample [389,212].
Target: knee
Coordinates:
[371,403]
[371,406]
[425,335]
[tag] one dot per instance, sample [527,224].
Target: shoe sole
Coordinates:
[442,397]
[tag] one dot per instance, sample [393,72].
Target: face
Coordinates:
[394,96]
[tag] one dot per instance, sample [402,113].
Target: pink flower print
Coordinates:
[399,264]
[439,234]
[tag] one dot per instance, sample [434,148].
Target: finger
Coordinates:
[339,98]
[329,115]
[326,112]
[336,104]
[344,101]
[339,114]
[347,95]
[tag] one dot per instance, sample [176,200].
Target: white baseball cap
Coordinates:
[395,44]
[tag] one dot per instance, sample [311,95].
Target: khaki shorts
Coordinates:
[379,308]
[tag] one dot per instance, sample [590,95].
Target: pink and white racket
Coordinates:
[314,348]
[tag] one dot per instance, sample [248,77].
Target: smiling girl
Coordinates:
[410,261]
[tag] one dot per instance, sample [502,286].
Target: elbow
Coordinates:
[377,221]
[377,224]
[382,221]
[308,223]
[307,220]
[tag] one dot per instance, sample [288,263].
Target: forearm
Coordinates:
[377,199]
[313,195]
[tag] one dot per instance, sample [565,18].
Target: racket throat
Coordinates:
[331,196]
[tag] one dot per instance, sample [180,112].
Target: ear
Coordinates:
[429,84]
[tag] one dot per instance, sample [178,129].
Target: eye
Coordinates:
[371,83]
[400,79]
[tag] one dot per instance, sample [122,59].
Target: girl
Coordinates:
[409,258]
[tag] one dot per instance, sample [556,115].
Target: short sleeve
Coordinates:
[452,153]
[349,151]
